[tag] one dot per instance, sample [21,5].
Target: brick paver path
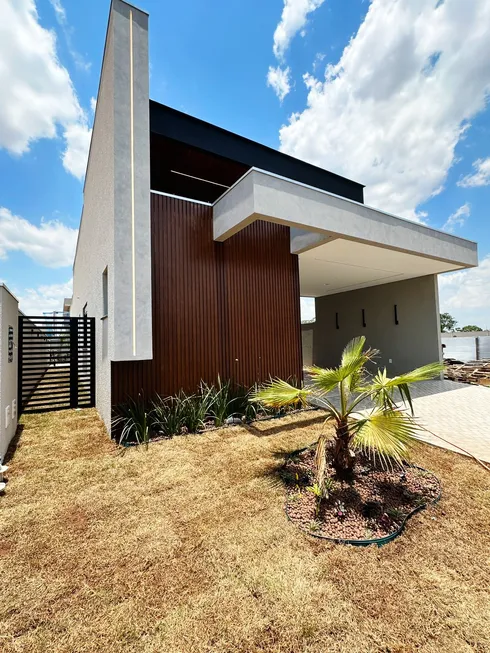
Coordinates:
[458,412]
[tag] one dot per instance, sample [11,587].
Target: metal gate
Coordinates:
[56,363]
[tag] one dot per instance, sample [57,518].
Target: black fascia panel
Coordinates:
[203,135]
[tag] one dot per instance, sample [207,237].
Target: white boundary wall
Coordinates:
[9,320]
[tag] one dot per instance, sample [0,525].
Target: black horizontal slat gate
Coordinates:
[56,363]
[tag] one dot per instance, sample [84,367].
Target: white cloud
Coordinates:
[60,12]
[293,20]
[93,104]
[458,218]
[278,79]
[46,298]
[466,294]
[481,176]
[51,243]
[390,113]
[77,137]
[317,62]
[37,93]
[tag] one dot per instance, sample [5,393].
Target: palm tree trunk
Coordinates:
[343,457]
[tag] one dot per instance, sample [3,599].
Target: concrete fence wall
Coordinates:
[9,338]
[467,346]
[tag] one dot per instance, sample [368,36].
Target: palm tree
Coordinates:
[385,430]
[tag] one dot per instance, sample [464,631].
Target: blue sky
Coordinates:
[390,93]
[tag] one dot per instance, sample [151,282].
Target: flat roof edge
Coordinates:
[5,287]
[416,225]
[207,124]
[130,4]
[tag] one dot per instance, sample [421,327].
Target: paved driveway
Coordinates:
[457,412]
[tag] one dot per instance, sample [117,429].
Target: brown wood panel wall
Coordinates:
[261,305]
[230,308]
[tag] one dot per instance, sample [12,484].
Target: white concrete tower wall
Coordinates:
[112,269]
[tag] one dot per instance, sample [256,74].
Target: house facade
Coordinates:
[196,244]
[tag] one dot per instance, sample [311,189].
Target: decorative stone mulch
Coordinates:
[371,505]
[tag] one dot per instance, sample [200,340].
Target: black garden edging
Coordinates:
[380,541]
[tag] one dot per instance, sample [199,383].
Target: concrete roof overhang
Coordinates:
[342,244]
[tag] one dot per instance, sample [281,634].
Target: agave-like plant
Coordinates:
[385,430]
[132,421]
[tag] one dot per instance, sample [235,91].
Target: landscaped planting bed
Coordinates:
[372,504]
[139,420]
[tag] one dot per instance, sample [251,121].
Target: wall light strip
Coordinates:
[131,112]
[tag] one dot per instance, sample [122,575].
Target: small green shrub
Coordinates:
[322,492]
[136,421]
[243,406]
[194,409]
[166,416]
[132,421]
[221,402]
[396,514]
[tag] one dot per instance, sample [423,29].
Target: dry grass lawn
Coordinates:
[185,548]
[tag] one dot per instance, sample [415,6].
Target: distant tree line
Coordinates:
[448,324]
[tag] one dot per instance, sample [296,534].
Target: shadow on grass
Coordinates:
[13,444]
[276,474]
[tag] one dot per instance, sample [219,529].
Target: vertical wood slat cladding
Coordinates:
[185,304]
[218,308]
[262,330]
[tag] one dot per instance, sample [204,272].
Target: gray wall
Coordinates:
[307,343]
[115,225]
[413,342]
[95,248]
[9,312]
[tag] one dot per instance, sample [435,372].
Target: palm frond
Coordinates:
[321,460]
[354,354]
[386,434]
[279,394]
[350,372]
[324,380]
[353,350]
[424,373]
[382,387]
